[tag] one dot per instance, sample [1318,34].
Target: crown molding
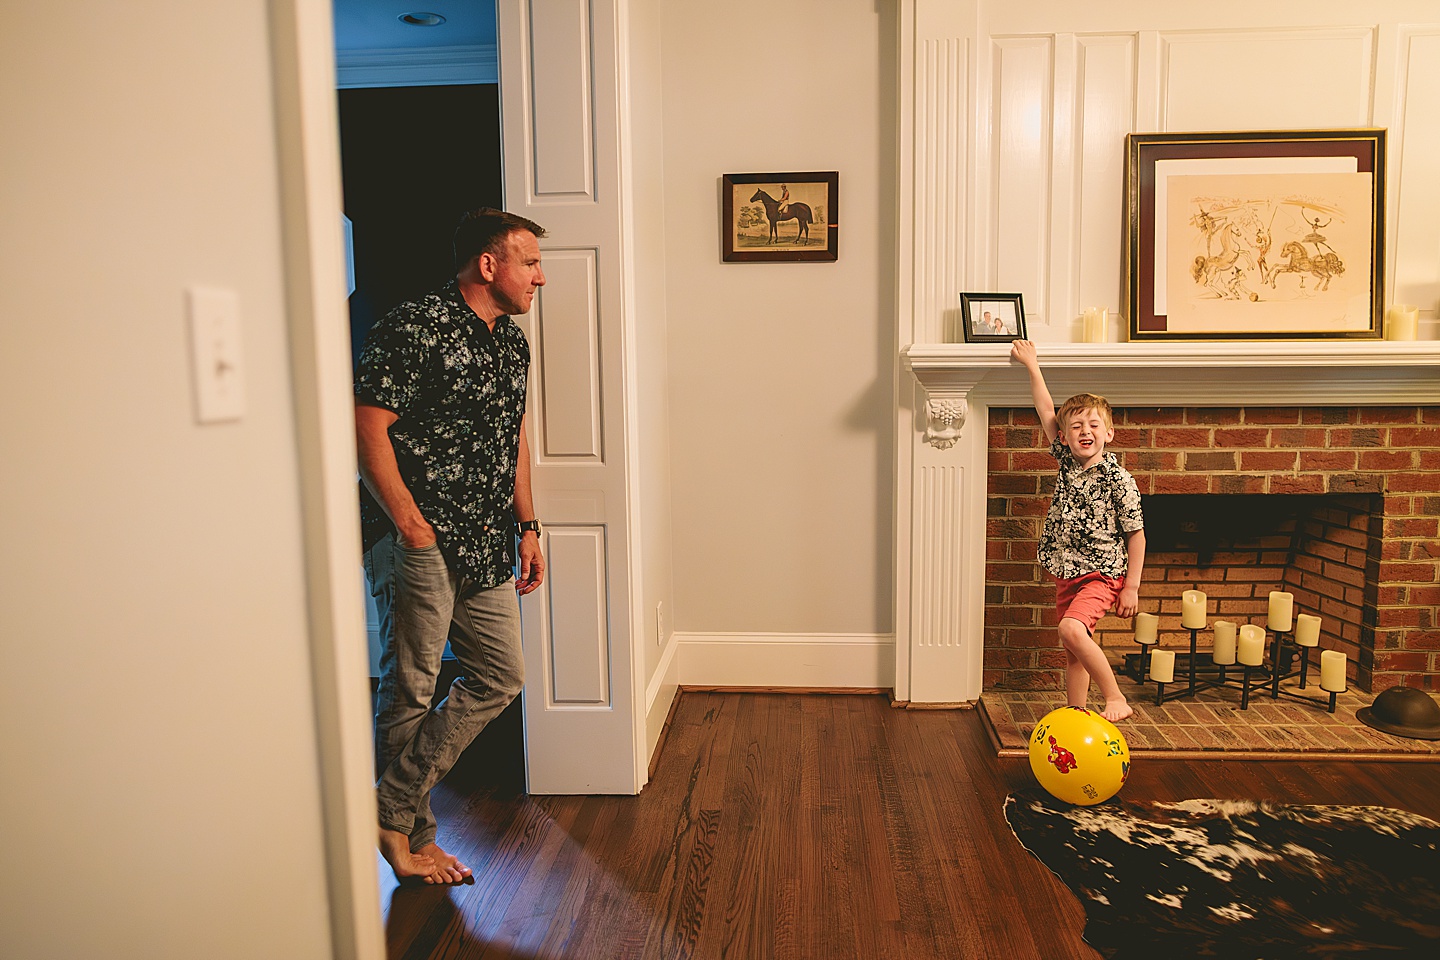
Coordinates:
[417,66]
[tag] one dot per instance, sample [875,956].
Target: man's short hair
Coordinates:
[1085,401]
[485,231]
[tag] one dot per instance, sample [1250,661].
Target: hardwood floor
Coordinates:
[799,826]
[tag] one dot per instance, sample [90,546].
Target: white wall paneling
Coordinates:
[576,620]
[1064,190]
[1107,70]
[567,340]
[1268,79]
[1415,175]
[938,661]
[940,182]
[559,79]
[1023,117]
[1149,74]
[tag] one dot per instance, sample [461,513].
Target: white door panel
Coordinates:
[560,127]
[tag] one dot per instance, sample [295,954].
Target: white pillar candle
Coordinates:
[1093,325]
[1307,630]
[1224,650]
[1332,671]
[1252,645]
[1147,628]
[1402,322]
[1192,610]
[1162,666]
[1281,607]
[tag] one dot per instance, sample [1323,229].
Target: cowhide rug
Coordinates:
[1241,880]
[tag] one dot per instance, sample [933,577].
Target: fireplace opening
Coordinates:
[1324,549]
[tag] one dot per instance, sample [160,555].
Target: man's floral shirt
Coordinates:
[459,392]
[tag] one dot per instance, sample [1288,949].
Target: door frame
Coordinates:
[304,72]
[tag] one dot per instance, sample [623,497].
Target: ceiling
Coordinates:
[376,25]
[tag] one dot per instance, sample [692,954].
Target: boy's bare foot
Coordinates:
[1117,710]
[395,848]
[448,869]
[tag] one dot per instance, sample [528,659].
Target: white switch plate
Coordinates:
[216,354]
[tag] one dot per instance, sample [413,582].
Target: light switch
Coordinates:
[216,355]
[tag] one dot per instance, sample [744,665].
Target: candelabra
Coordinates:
[1249,651]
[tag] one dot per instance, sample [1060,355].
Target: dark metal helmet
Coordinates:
[1405,712]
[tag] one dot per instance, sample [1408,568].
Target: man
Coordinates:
[445,465]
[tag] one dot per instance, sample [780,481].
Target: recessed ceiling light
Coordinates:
[419,19]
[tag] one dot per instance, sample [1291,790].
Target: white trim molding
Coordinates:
[860,660]
[417,66]
[1218,373]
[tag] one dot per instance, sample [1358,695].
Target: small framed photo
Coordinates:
[780,217]
[992,317]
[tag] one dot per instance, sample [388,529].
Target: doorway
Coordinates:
[413,160]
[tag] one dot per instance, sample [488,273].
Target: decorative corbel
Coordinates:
[944,416]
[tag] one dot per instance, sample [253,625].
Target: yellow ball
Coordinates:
[1079,756]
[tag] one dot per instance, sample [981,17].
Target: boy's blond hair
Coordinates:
[1081,402]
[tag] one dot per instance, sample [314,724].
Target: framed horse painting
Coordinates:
[780,217]
[1258,236]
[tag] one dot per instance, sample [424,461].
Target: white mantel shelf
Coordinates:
[1220,373]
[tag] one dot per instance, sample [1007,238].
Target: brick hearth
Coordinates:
[1354,532]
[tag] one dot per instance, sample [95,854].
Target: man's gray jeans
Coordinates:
[418,598]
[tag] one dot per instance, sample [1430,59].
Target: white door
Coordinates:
[560,134]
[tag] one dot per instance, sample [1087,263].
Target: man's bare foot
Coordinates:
[395,848]
[1117,710]
[448,869]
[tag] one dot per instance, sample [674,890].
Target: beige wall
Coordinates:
[780,374]
[161,795]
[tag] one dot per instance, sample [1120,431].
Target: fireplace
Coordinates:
[1338,441]
[1339,506]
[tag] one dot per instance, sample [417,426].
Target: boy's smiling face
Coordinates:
[1086,434]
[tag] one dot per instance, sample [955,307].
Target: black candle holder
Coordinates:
[1192,680]
[1245,688]
[1282,656]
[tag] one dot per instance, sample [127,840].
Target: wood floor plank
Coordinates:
[801,827]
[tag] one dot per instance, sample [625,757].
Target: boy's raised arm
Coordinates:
[1023,351]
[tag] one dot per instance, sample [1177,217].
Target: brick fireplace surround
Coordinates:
[1339,440]
[1349,523]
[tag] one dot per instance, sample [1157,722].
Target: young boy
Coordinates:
[1094,537]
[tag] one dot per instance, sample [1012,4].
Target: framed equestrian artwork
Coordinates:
[992,317]
[780,217]
[1255,236]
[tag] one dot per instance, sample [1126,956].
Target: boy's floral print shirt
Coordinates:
[459,391]
[1090,514]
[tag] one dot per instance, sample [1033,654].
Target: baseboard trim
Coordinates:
[811,661]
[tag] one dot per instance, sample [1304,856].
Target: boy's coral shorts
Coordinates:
[1086,598]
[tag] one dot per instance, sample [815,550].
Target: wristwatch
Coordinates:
[525,526]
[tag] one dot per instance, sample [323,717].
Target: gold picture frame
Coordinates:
[1255,236]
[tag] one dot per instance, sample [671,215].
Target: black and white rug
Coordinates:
[1241,880]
